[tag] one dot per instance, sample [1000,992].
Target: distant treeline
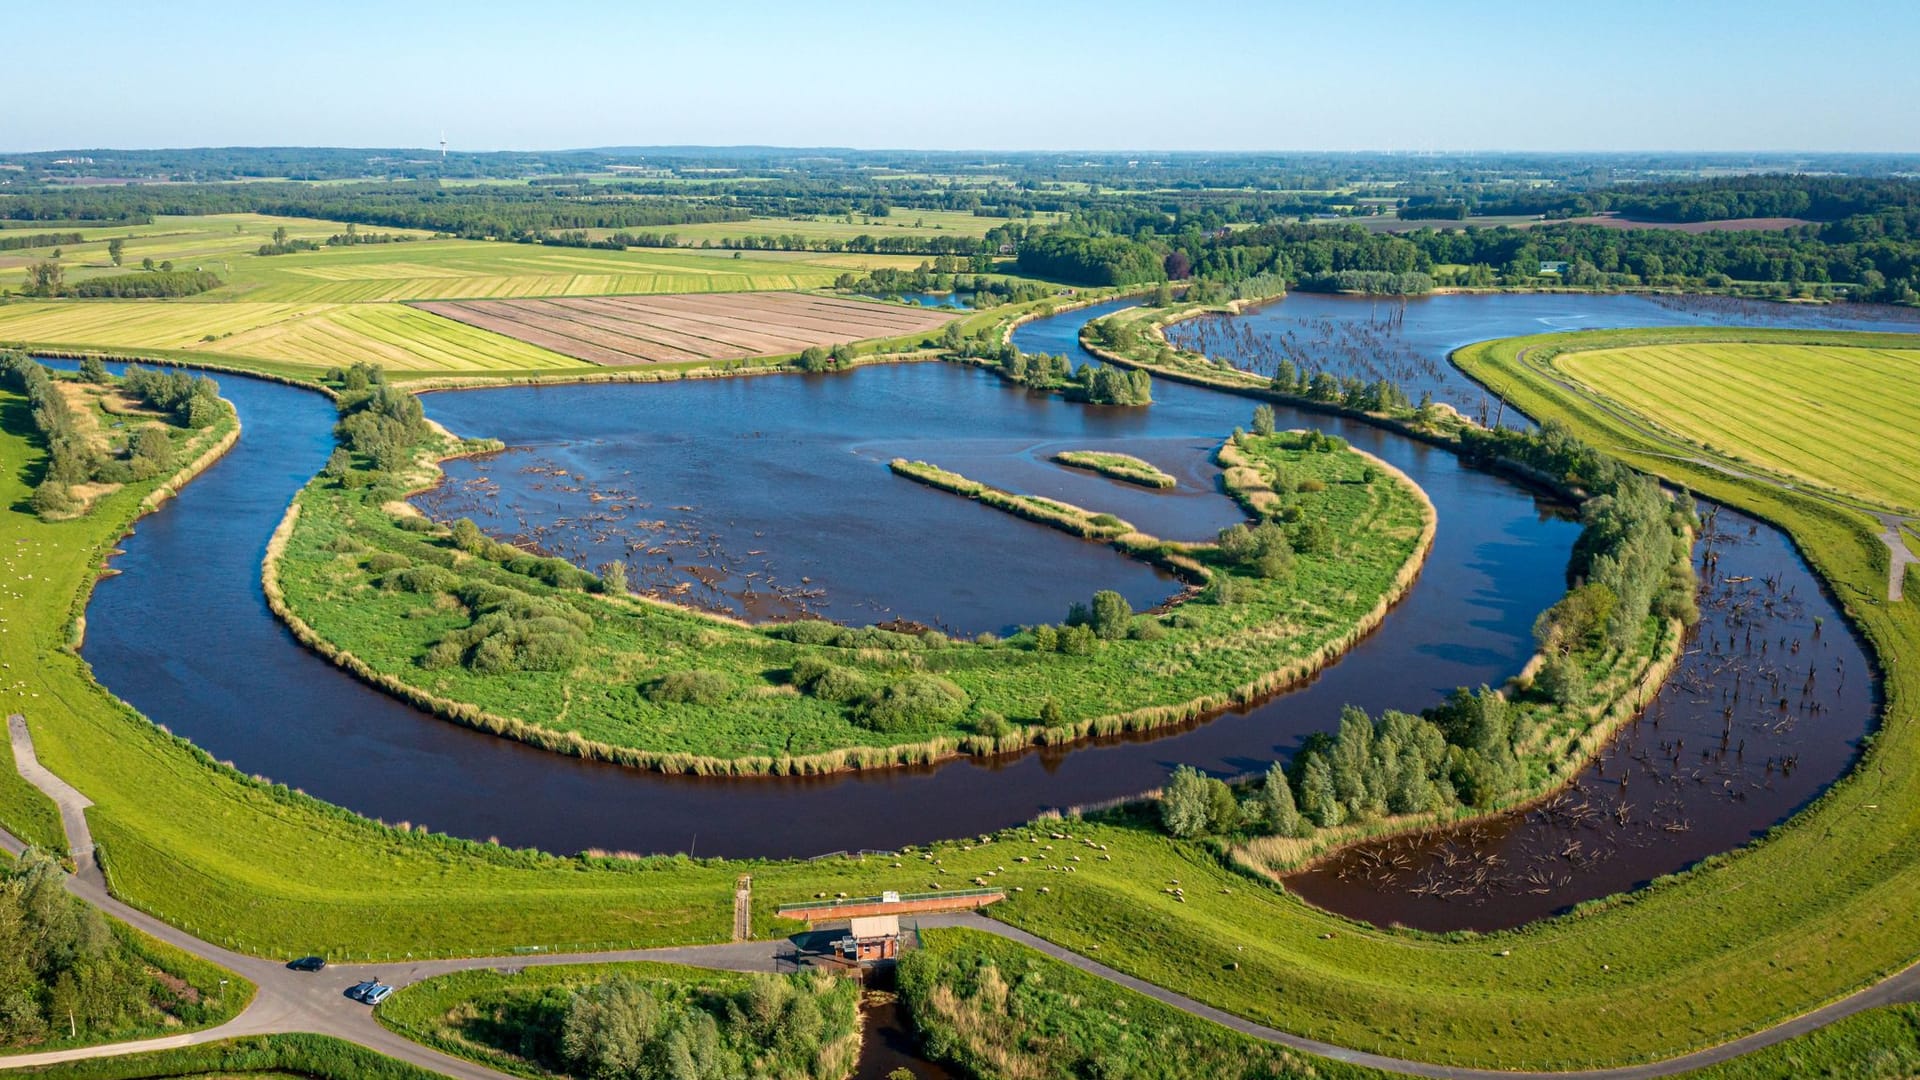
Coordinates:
[496,212]
[15,241]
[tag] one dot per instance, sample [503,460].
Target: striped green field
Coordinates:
[472,269]
[1835,417]
[314,336]
[222,243]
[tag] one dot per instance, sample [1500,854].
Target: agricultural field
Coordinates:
[620,331]
[1839,418]
[292,337]
[901,222]
[223,243]
[424,268]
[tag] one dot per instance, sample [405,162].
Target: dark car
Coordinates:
[309,963]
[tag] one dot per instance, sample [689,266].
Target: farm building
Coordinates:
[871,938]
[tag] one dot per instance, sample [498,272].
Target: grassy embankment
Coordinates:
[791,1027]
[1123,467]
[655,686]
[1744,941]
[40,560]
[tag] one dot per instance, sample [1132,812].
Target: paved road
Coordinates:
[289,1001]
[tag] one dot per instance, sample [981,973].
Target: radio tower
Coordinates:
[443,146]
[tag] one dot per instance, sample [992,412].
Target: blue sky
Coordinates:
[1679,74]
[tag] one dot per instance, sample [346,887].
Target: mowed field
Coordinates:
[624,330]
[424,268]
[1845,419]
[317,336]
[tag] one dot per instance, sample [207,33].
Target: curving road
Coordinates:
[287,1002]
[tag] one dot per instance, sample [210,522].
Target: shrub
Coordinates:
[807,632]
[915,703]
[383,561]
[695,687]
[418,579]
[992,725]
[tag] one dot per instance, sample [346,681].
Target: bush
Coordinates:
[696,687]
[807,632]
[383,561]
[915,703]
[828,681]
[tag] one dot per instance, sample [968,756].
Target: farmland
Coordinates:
[424,268]
[1795,411]
[310,337]
[620,331]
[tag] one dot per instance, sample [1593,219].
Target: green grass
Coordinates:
[1202,655]
[510,1021]
[1124,467]
[1840,418]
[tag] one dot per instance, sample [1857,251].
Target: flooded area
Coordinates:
[1768,705]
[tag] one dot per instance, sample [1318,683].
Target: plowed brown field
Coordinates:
[626,330]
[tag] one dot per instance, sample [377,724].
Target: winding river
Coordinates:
[183,632]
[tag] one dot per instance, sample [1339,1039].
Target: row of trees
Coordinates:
[1630,564]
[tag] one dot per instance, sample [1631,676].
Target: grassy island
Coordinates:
[537,649]
[1123,467]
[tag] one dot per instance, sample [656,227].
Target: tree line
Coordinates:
[1630,565]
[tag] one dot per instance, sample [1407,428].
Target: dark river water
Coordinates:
[183,632]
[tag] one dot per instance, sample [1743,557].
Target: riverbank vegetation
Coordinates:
[69,977]
[1605,648]
[637,1021]
[536,649]
[1115,466]
[103,432]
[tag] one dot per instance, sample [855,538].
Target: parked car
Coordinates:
[309,963]
[379,993]
[360,990]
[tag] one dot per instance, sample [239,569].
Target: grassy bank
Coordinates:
[654,686]
[542,1022]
